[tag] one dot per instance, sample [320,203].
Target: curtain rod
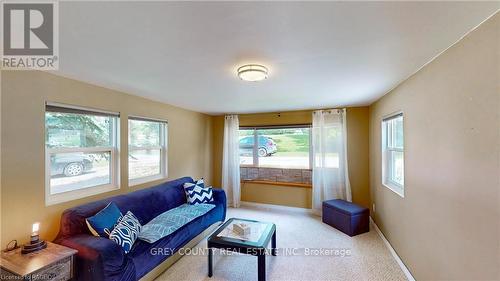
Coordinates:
[329,110]
[292,126]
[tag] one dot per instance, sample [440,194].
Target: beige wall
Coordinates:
[357,134]
[447,225]
[22,144]
[291,196]
[357,154]
[217,139]
[1,245]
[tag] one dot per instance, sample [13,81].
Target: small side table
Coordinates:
[52,263]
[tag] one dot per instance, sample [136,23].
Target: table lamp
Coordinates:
[35,243]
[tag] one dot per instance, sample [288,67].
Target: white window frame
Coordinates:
[52,199]
[387,168]
[255,155]
[163,147]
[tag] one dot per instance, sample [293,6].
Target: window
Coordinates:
[278,147]
[147,151]
[393,153]
[81,152]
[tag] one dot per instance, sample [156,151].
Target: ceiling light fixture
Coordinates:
[252,72]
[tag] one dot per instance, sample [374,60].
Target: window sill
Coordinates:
[276,167]
[396,189]
[290,184]
[136,182]
[58,198]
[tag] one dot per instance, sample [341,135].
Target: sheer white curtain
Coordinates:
[231,161]
[330,173]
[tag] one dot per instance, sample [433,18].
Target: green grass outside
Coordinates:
[291,143]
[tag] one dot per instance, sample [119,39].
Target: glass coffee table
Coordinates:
[253,243]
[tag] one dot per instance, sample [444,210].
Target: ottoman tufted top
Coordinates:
[345,207]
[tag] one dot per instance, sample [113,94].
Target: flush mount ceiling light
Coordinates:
[252,72]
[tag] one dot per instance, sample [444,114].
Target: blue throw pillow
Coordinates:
[126,232]
[198,193]
[102,223]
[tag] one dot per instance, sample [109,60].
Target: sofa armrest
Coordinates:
[219,196]
[96,255]
[220,199]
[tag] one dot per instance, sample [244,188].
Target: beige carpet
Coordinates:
[369,258]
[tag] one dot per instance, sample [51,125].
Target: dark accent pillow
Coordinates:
[102,223]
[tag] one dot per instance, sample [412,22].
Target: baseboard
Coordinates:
[272,207]
[393,252]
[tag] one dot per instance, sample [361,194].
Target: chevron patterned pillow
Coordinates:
[197,193]
[126,232]
[200,183]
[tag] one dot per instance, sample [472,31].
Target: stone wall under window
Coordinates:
[276,174]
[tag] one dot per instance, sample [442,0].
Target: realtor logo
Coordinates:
[30,35]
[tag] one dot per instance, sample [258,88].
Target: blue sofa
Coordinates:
[100,258]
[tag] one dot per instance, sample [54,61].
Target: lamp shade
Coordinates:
[252,72]
[35,228]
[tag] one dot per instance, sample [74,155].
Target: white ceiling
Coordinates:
[322,54]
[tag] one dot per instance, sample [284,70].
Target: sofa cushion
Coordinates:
[126,232]
[168,222]
[102,223]
[147,256]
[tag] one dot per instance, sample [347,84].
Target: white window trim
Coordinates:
[391,185]
[52,199]
[163,147]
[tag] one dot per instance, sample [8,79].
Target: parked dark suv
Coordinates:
[267,146]
[70,164]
